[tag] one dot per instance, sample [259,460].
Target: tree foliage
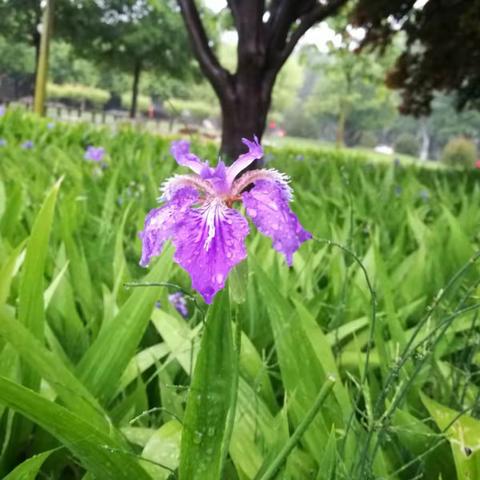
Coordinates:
[442,48]
[19,20]
[131,36]
[343,94]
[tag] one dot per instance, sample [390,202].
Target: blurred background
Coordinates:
[111,61]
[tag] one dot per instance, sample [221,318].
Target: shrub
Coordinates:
[367,140]
[407,144]
[460,152]
[143,101]
[77,94]
[196,110]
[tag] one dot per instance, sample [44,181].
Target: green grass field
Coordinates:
[96,377]
[311,144]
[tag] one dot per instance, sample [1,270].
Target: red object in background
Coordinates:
[272,125]
[477,163]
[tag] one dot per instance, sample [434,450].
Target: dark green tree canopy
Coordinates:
[442,48]
[124,33]
[19,20]
[132,36]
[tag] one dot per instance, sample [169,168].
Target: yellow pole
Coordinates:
[42,67]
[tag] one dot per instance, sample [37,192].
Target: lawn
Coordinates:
[96,366]
[311,144]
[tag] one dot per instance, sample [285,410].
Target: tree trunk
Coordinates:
[340,136]
[137,70]
[42,60]
[425,148]
[244,111]
[264,45]
[36,46]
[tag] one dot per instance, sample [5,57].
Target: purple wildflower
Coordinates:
[208,234]
[94,154]
[27,145]
[2,110]
[3,142]
[177,300]
[424,195]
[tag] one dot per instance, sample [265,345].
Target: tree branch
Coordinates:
[232,5]
[251,41]
[218,76]
[317,14]
[282,15]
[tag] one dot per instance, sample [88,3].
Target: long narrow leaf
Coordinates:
[102,366]
[210,398]
[95,449]
[30,302]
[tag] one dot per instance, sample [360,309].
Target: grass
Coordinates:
[319,145]
[96,381]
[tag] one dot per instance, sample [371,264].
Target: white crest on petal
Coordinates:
[270,174]
[171,185]
[212,211]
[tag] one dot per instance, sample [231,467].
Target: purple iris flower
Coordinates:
[27,145]
[208,234]
[95,154]
[178,302]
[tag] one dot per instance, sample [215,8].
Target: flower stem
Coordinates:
[233,406]
[300,430]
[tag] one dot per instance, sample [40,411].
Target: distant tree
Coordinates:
[19,23]
[442,48]
[16,69]
[67,67]
[352,84]
[348,93]
[15,57]
[443,124]
[267,34]
[132,36]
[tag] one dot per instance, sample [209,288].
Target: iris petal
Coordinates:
[160,221]
[181,152]
[255,152]
[267,205]
[217,177]
[209,242]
